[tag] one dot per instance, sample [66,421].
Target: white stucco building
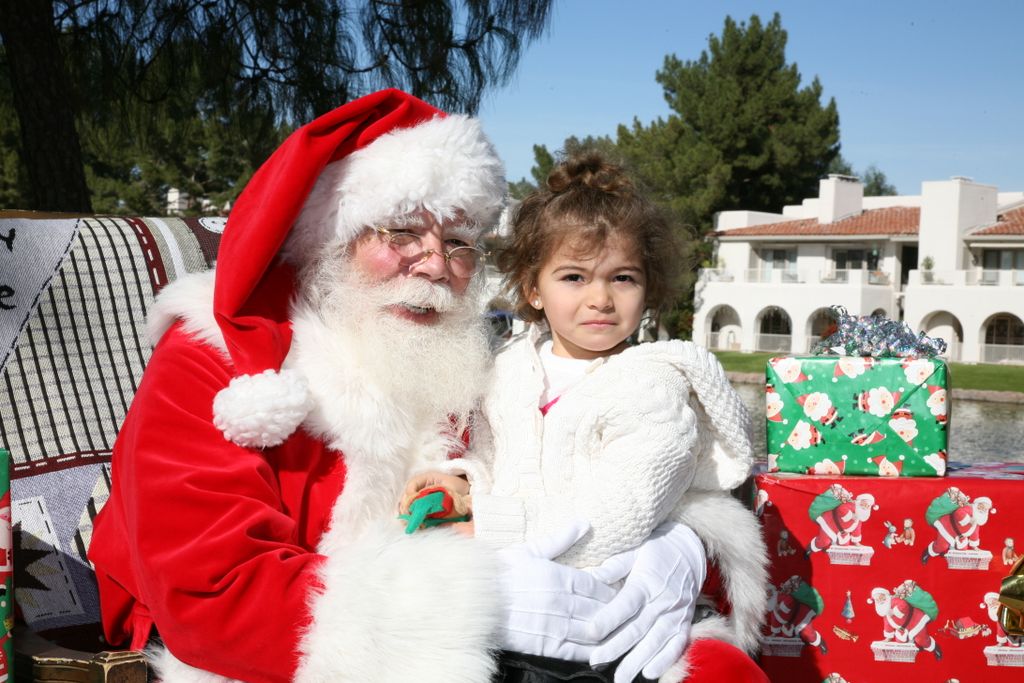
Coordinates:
[950,262]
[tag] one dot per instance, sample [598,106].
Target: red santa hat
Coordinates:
[376,158]
[880,460]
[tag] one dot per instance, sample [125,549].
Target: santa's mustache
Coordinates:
[419,293]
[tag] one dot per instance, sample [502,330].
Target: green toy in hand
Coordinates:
[433,506]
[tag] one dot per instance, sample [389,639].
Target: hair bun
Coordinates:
[588,170]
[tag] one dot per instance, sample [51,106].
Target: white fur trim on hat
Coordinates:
[260,411]
[444,165]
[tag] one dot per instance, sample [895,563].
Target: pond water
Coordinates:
[980,431]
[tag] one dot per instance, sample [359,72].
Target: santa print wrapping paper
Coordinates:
[873,579]
[857,415]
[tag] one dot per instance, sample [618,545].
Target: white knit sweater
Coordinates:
[618,449]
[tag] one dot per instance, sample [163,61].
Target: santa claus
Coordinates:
[773,404]
[906,613]
[990,604]
[957,522]
[878,401]
[338,348]
[840,518]
[818,406]
[792,609]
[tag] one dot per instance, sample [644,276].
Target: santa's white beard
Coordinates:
[428,372]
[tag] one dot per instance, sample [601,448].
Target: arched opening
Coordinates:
[1004,339]
[774,330]
[946,326]
[724,329]
[820,325]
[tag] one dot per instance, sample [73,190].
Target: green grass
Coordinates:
[987,376]
[963,375]
[737,361]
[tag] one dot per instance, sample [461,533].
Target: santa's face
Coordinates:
[378,260]
[881,599]
[441,336]
[865,504]
[982,509]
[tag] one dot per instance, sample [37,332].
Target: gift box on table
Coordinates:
[875,578]
[879,416]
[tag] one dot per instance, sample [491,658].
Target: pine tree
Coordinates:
[743,134]
[80,68]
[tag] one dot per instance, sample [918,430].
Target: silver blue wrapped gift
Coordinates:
[878,337]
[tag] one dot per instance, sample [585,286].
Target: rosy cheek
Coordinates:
[459,285]
[375,263]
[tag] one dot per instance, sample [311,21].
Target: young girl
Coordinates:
[582,423]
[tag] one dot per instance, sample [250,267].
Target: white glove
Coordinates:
[654,610]
[548,605]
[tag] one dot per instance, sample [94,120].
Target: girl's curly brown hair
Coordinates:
[588,201]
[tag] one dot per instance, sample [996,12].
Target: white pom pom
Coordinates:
[260,411]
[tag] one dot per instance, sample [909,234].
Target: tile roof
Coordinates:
[1010,223]
[897,220]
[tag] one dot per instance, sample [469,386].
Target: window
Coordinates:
[775,321]
[855,258]
[1002,259]
[778,259]
[1004,329]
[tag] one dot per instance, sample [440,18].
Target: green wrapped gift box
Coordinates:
[857,415]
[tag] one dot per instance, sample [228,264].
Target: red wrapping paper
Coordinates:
[877,578]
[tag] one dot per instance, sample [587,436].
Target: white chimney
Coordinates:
[839,197]
[949,210]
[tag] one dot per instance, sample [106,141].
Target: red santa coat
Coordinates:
[906,624]
[791,617]
[957,530]
[840,526]
[218,544]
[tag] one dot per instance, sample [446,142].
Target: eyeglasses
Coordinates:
[464,261]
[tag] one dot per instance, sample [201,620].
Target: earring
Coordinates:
[536,303]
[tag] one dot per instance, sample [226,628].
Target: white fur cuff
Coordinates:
[260,411]
[398,608]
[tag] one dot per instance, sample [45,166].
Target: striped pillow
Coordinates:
[72,360]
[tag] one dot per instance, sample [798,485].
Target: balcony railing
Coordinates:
[1002,353]
[776,275]
[723,342]
[974,277]
[799,276]
[840,275]
[774,342]
[857,278]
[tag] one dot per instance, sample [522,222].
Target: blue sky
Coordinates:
[926,89]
